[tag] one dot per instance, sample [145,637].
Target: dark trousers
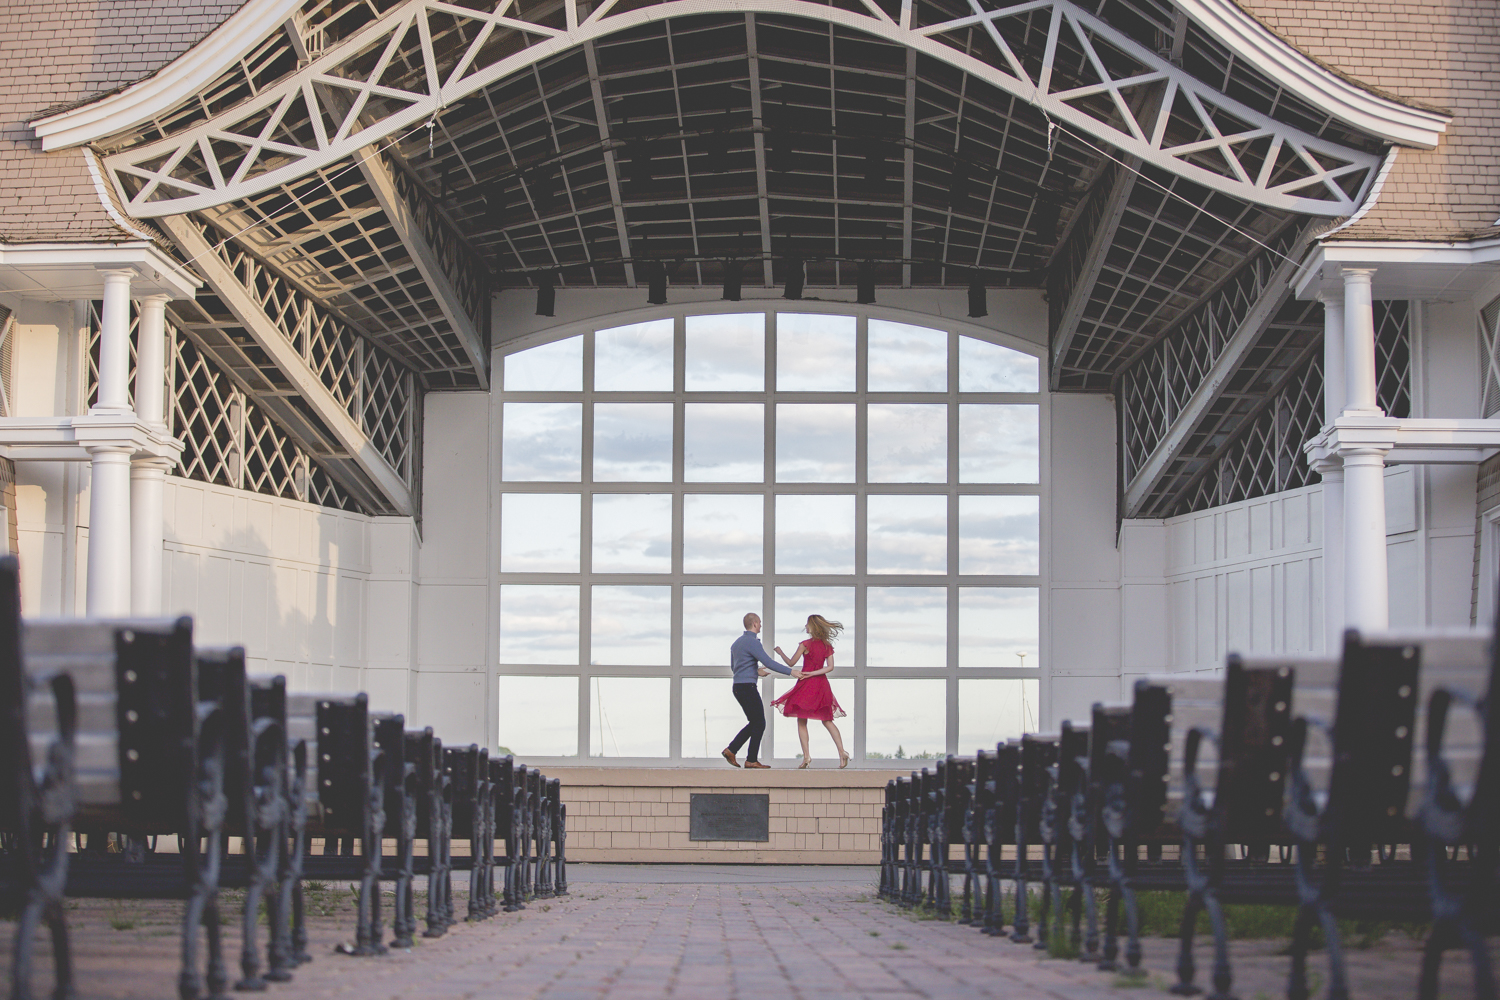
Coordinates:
[748,695]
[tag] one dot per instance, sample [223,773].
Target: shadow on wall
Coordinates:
[294,615]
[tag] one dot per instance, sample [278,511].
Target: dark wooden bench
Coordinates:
[151,761]
[343,787]
[38,796]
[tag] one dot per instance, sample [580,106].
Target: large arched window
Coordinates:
[662,478]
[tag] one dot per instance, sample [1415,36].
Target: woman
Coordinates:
[812,696]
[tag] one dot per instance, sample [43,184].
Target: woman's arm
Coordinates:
[796,657]
[826,668]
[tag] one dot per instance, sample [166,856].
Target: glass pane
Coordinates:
[908,443]
[814,353]
[725,442]
[726,353]
[906,719]
[993,710]
[794,604]
[538,716]
[986,367]
[542,442]
[998,443]
[539,532]
[555,367]
[819,742]
[999,535]
[630,717]
[631,626]
[635,358]
[906,626]
[814,534]
[998,627]
[633,533]
[723,534]
[710,715]
[907,534]
[712,618]
[815,442]
[538,624]
[907,358]
[633,442]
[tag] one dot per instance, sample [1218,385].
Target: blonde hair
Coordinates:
[822,629]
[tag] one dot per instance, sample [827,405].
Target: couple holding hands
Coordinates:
[811,698]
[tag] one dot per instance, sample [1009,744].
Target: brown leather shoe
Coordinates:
[756,763]
[729,756]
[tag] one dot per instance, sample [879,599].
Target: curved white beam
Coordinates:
[1350,103]
[1243,34]
[178,80]
[164,190]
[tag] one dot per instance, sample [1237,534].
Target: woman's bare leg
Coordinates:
[802,735]
[838,741]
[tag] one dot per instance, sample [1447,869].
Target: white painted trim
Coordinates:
[1225,20]
[1253,42]
[1371,198]
[188,74]
[158,271]
[96,174]
[1319,269]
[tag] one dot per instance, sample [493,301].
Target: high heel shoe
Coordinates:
[844,758]
[805,761]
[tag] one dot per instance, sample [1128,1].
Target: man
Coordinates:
[743,657]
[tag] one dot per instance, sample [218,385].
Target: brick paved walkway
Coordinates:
[646,932]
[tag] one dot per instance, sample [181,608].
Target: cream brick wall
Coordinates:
[827,817]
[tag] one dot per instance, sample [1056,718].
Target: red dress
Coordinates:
[811,697]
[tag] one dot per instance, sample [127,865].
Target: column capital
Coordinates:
[143,465]
[1329,465]
[1357,275]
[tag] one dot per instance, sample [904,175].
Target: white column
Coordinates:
[1332,471]
[1366,597]
[109,486]
[151,363]
[114,345]
[148,473]
[147,481]
[1359,344]
[109,532]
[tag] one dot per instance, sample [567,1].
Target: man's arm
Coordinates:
[759,652]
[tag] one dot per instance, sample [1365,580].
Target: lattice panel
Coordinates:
[1393,356]
[227,439]
[91,394]
[1159,384]
[372,387]
[1489,359]
[1265,454]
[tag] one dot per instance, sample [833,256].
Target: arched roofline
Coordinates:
[160,177]
[1249,39]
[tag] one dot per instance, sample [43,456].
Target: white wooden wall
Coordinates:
[287,580]
[1246,577]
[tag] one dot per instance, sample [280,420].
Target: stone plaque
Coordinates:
[729,817]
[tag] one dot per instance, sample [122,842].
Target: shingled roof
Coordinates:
[59,52]
[1432,52]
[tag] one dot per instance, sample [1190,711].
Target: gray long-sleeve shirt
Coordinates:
[744,654]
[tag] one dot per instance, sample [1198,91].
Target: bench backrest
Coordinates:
[138,714]
[1038,753]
